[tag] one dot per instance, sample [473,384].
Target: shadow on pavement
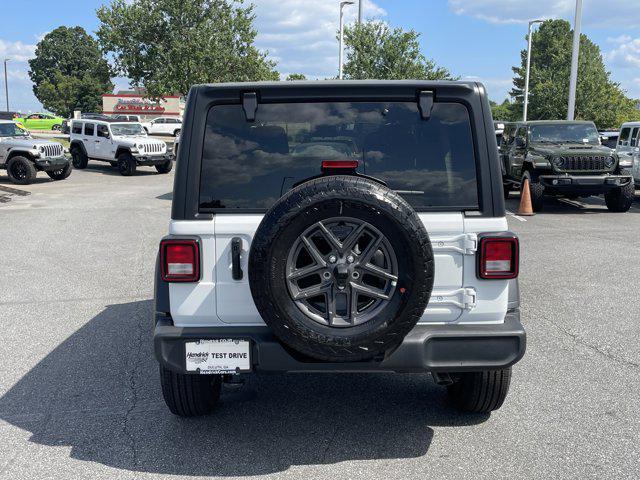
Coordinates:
[107,169]
[560,206]
[98,393]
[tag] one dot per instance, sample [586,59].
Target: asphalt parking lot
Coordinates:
[79,394]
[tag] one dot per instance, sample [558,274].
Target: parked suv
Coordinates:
[564,158]
[376,257]
[628,147]
[123,144]
[22,156]
[163,126]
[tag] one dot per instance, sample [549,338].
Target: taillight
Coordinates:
[339,164]
[498,257]
[180,260]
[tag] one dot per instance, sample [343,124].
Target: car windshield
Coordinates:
[12,130]
[249,165]
[565,133]
[127,129]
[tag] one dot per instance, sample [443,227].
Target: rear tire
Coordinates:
[480,392]
[165,167]
[62,173]
[619,200]
[126,164]
[536,189]
[21,170]
[190,395]
[80,159]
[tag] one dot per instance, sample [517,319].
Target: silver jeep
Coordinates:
[22,156]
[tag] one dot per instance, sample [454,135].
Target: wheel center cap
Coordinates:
[341,274]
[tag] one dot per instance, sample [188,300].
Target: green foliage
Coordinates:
[167,46]
[296,76]
[69,72]
[504,111]
[598,98]
[375,51]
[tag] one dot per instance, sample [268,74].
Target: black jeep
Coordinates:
[565,159]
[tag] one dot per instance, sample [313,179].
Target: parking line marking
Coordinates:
[517,217]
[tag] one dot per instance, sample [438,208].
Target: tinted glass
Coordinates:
[565,133]
[76,128]
[624,135]
[634,134]
[88,128]
[103,131]
[250,165]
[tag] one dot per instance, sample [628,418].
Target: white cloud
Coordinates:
[497,88]
[16,51]
[301,36]
[625,55]
[616,13]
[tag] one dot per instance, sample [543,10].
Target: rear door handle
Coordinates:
[236,251]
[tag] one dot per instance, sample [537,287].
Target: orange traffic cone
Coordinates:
[525,208]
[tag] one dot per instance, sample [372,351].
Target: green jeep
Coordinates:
[563,158]
[41,121]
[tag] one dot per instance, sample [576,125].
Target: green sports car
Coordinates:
[40,121]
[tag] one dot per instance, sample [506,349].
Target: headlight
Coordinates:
[609,161]
[41,149]
[140,146]
[558,161]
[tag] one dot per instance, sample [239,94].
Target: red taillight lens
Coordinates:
[180,260]
[498,257]
[339,164]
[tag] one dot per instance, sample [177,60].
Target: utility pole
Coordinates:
[342,4]
[573,82]
[526,81]
[359,11]
[6,83]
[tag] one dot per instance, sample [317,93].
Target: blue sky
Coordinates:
[475,39]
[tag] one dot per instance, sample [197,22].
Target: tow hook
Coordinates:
[443,379]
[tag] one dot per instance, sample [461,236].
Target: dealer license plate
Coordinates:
[220,355]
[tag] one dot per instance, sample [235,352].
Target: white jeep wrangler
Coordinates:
[22,156]
[338,226]
[124,145]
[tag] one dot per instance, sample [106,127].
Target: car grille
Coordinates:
[52,150]
[584,163]
[153,148]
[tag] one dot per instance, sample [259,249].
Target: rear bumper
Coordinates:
[427,348]
[592,183]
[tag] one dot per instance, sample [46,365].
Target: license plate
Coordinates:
[220,355]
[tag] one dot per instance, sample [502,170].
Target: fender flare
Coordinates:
[121,150]
[78,144]
[17,152]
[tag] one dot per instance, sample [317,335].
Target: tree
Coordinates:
[69,72]
[598,98]
[375,51]
[166,46]
[503,111]
[295,76]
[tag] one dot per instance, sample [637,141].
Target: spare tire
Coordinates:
[341,268]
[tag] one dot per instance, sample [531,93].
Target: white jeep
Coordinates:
[22,156]
[123,144]
[338,226]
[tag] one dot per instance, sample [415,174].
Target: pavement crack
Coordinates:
[594,348]
[135,355]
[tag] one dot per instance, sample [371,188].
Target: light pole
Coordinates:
[526,80]
[573,81]
[342,4]
[359,11]
[6,84]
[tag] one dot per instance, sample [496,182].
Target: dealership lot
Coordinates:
[79,396]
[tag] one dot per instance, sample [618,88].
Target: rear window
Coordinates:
[76,128]
[249,165]
[89,128]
